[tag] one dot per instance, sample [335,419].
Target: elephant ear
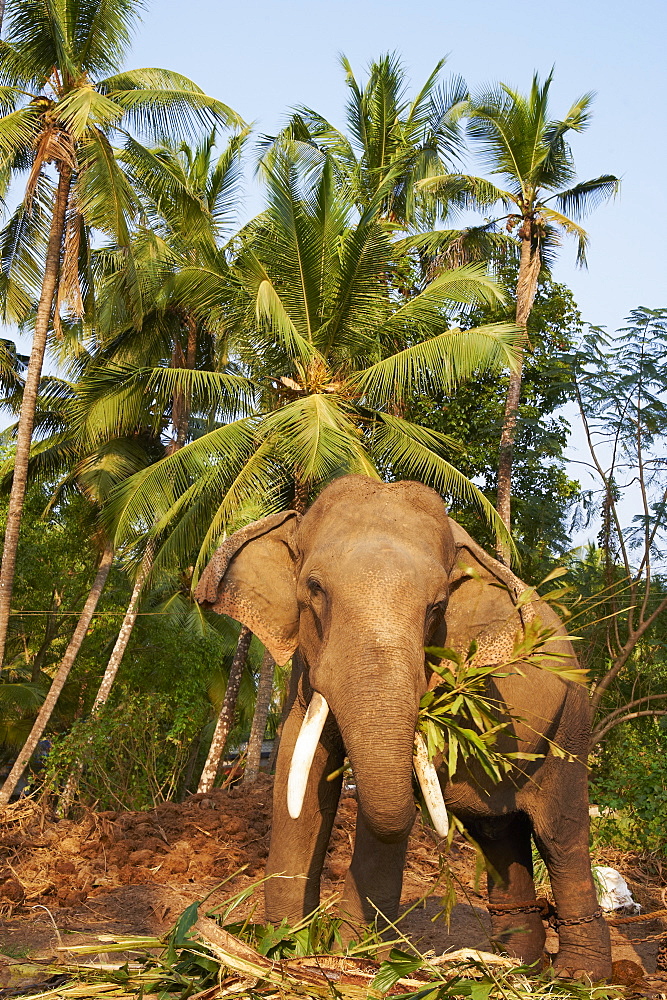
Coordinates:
[252,578]
[482,602]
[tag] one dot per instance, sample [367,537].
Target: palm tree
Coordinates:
[187,199]
[392,142]
[63,100]
[397,145]
[520,142]
[325,346]
[262,705]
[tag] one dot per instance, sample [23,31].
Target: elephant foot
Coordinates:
[584,950]
[520,936]
[582,966]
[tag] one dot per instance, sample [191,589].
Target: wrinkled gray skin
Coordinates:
[355,589]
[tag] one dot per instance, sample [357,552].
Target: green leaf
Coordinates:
[186,920]
[398,966]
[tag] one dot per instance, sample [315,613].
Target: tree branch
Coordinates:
[632,704]
[599,733]
[624,654]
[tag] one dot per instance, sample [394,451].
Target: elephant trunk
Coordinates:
[381,759]
[304,752]
[376,713]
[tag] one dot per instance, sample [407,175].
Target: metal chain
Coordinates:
[557,921]
[542,906]
[547,909]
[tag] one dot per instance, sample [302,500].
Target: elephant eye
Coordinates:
[315,587]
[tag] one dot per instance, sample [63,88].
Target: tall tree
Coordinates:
[109,676]
[225,720]
[62,108]
[312,307]
[519,141]
[544,496]
[391,142]
[620,388]
[258,728]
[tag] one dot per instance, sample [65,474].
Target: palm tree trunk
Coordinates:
[124,635]
[109,677]
[301,492]
[62,673]
[529,270]
[27,415]
[227,711]
[190,766]
[190,360]
[264,692]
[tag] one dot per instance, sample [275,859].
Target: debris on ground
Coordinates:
[126,873]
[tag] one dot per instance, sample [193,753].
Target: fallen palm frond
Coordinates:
[200,959]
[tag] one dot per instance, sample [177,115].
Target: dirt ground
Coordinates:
[62,882]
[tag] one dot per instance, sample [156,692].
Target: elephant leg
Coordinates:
[506,846]
[298,846]
[562,840]
[374,880]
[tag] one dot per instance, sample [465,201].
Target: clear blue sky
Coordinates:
[264,56]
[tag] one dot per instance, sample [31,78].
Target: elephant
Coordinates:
[353,590]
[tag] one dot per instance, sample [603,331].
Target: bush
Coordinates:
[629,783]
[135,752]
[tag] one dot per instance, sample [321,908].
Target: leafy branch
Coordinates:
[458,718]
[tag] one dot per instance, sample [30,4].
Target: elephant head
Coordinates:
[360,585]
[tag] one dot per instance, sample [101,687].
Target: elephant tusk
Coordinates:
[304,751]
[430,786]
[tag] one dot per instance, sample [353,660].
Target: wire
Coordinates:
[137,614]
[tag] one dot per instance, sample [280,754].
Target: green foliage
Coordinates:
[54,573]
[391,143]
[620,384]
[459,718]
[530,152]
[317,934]
[543,495]
[135,750]
[177,654]
[64,102]
[621,381]
[629,783]
[311,310]
[199,954]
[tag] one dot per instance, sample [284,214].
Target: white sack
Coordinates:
[612,890]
